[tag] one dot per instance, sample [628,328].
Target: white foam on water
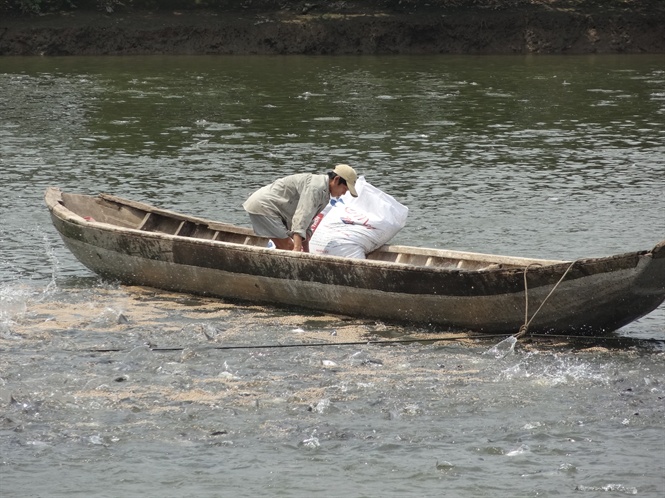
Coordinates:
[548,370]
[611,488]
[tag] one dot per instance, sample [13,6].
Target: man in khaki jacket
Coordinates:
[284,210]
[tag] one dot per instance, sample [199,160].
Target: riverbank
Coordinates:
[545,27]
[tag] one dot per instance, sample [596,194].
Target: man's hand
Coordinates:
[297,242]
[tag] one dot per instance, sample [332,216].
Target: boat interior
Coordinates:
[125,213]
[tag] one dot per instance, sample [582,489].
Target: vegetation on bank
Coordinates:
[109,6]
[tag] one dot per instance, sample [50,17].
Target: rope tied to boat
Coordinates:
[527,321]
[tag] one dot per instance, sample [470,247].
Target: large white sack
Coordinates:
[359,225]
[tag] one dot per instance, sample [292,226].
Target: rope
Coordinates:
[314,344]
[621,341]
[527,321]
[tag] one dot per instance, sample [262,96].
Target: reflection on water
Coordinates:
[133,390]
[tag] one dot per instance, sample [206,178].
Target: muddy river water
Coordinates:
[109,390]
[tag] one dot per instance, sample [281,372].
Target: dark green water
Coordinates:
[555,157]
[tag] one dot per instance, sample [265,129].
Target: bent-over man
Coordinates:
[284,210]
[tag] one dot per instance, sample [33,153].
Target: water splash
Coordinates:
[13,302]
[52,286]
[523,448]
[322,406]
[504,348]
[110,317]
[16,297]
[613,488]
[553,370]
[311,442]
[13,306]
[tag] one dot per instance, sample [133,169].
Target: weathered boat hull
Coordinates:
[595,296]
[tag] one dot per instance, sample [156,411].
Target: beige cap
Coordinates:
[350,176]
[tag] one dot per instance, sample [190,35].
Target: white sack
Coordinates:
[359,225]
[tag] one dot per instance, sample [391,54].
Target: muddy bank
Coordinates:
[537,28]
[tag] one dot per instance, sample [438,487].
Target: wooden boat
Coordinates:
[139,244]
